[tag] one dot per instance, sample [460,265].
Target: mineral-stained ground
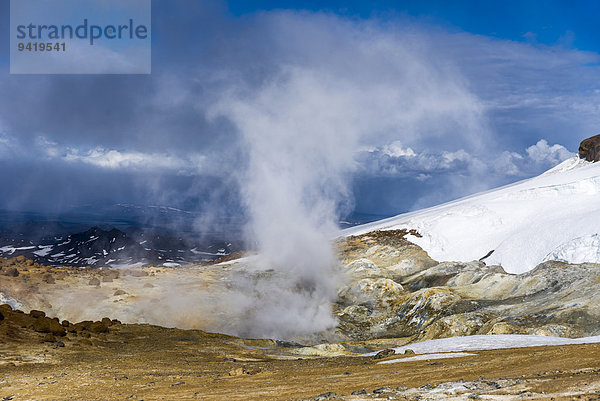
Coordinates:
[394,294]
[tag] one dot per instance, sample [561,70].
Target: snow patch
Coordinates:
[426,357]
[10,249]
[44,250]
[489,342]
[578,250]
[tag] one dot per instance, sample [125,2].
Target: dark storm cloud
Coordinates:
[479,101]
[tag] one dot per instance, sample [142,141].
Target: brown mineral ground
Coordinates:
[47,358]
[106,360]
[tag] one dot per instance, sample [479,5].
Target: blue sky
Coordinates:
[395,105]
[570,23]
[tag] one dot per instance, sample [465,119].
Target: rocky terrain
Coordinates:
[43,358]
[589,149]
[392,288]
[397,290]
[393,294]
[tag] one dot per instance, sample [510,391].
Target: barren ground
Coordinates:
[153,363]
[44,359]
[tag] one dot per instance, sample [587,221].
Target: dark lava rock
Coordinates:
[12,272]
[384,354]
[589,149]
[98,327]
[37,313]
[359,392]
[384,389]
[47,325]
[325,396]
[88,325]
[81,326]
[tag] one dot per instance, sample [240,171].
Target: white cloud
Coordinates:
[541,152]
[395,149]
[7,145]
[423,165]
[50,148]
[117,160]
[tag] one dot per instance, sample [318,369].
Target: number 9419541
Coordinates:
[41,47]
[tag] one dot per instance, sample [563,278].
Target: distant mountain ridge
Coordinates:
[97,247]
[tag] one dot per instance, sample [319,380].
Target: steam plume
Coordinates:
[326,88]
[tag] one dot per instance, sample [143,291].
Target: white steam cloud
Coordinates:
[331,87]
[301,131]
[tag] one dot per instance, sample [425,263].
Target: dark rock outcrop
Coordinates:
[47,325]
[589,149]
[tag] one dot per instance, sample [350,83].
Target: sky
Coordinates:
[380,106]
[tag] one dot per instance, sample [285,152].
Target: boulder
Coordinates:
[385,353]
[47,325]
[98,327]
[589,149]
[94,281]
[12,272]
[37,313]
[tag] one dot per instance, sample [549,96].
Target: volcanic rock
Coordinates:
[384,389]
[589,149]
[436,300]
[47,325]
[37,313]
[12,272]
[98,327]
[385,353]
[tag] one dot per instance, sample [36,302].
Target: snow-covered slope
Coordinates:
[555,216]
